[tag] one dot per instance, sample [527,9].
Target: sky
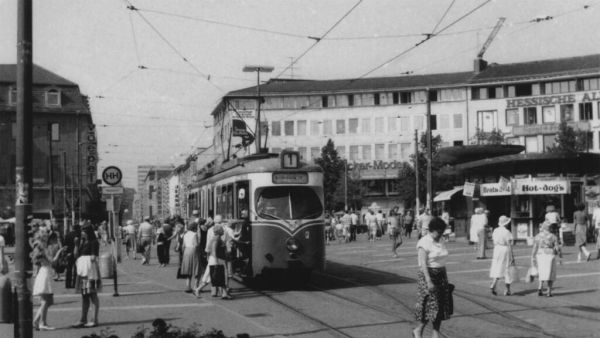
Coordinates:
[155,74]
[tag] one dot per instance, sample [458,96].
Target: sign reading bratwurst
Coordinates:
[527,187]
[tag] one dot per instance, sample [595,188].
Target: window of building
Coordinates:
[379,151]
[549,141]
[566,112]
[523,89]
[458,121]
[531,144]
[558,87]
[404,123]
[350,100]
[54,132]
[302,152]
[315,152]
[327,127]
[352,126]
[405,97]
[510,91]
[379,122]
[392,127]
[340,126]
[376,99]
[591,84]
[433,95]
[405,150]
[444,121]
[475,93]
[341,150]
[353,153]
[530,115]
[365,126]
[393,187]
[341,101]
[451,95]
[53,98]
[482,93]
[324,101]
[585,111]
[535,89]
[366,153]
[548,114]
[512,117]
[418,122]
[373,187]
[368,99]
[289,128]
[433,122]
[487,120]
[12,96]
[314,127]
[393,151]
[275,128]
[589,140]
[301,127]
[395,98]
[457,143]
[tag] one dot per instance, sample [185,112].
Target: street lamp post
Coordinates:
[258,70]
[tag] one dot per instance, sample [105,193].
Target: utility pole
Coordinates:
[258,69]
[65,218]
[345,184]
[51,165]
[78,167]
[72,195]
[429,155]
[417,204]
[24,160]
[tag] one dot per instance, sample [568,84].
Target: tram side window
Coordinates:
[243,198]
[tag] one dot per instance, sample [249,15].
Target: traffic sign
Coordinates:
[112,190]
[112,175]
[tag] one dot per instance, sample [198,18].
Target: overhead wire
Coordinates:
[135,44]
[443,16]
[427,38]
[318,39]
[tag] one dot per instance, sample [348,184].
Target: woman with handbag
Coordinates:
[216,262]
[543,256]
[434,298]
[503,259]
[88,282]
[42,286]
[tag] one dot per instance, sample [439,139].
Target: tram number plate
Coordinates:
[290,178]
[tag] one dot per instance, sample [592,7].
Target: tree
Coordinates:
[493,137]
[569,140]
[333,167]
[354,189]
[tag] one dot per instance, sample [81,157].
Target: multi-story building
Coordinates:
[156,199]
[372,121]
[141,201]
[64,143]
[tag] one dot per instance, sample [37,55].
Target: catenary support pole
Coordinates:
[429,155]
[417,204]
[65,218]
[24,161]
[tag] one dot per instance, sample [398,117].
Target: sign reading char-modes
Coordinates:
[112,175]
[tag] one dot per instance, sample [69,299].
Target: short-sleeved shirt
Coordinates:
[501,236]
[580,217]
[436,251]
[546,240]
[354,219]
[2,243]
[552,217]
[190,240]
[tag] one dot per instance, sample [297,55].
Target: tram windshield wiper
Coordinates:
[270,216]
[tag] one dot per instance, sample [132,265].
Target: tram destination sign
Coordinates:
[290,178]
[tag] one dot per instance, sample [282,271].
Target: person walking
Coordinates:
[596,225]
[408,223]
[554,219]
[54,245]
[581,220]
[190,263]
[434,297]
[543,256]
[145,239]
[379,217]
[502,257]
[478,230]
[161,247]
[346,221]
[371,221]
[216,263]
[130,232]
[353,225]
[3,261]
[42,257]
[72,242]
[395,232]
[423,222]
[88,282]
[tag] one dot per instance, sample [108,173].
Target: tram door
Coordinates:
[243,263]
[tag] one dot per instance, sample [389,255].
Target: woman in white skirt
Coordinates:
[543,256]
[42,286]
[88,281]
[502,257]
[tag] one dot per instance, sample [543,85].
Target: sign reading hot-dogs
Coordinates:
[527,187]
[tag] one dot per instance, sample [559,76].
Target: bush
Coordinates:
[161,329]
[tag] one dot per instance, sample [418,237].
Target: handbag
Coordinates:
[512,274]
[61,262]
[532,272]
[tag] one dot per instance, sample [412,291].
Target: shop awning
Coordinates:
[446,195]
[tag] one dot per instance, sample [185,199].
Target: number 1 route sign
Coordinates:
[112,175]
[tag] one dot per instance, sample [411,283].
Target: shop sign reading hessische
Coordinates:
[551,99]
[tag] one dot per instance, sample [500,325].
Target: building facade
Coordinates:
[64,144]
[372,121]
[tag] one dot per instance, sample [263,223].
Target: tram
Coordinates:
[275,205]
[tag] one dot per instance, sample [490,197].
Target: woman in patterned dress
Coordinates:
[434,299]
[543,256]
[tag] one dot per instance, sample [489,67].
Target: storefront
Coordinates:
[522,186]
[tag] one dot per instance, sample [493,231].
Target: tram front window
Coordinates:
[288,203]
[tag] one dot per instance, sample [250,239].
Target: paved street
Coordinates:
[364,292]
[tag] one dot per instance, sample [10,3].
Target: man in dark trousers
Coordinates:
[72,244]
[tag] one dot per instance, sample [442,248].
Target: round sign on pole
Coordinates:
[112,175]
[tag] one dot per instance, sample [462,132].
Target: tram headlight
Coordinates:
[292,245]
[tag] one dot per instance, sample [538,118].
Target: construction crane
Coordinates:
[491,37]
